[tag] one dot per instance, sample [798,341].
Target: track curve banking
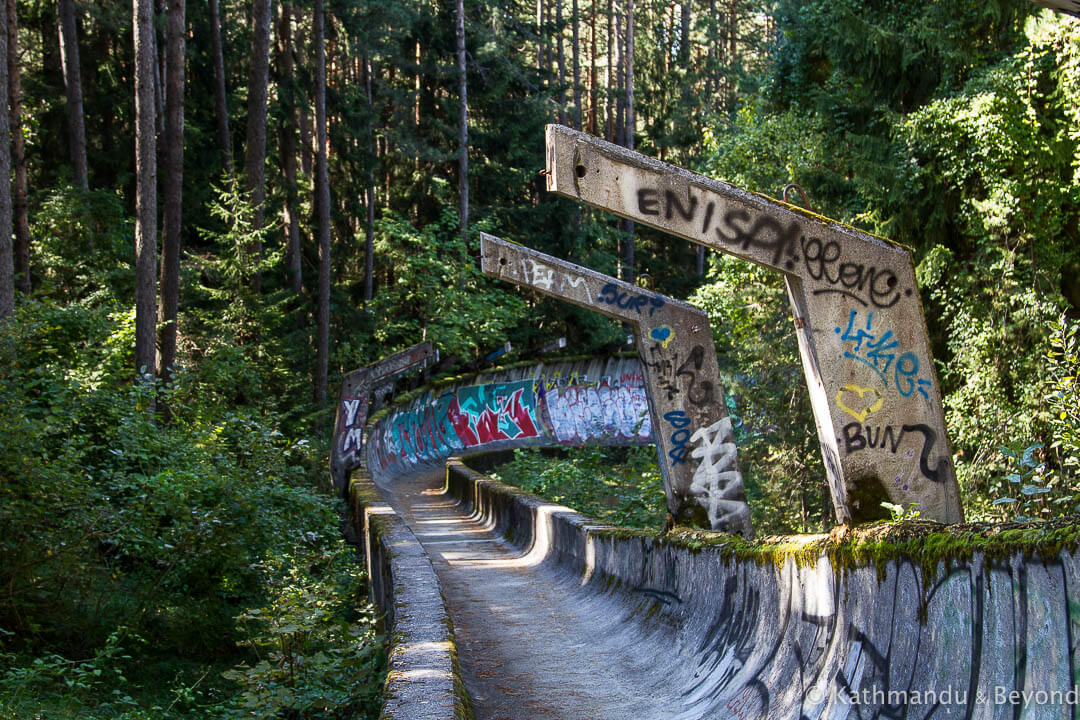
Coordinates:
[567,403]
[566,618]
[557,616]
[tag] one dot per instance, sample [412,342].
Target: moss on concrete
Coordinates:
[929,545]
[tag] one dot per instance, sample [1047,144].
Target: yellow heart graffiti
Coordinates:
[860,391]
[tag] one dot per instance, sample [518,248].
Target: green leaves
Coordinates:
[437,292]
[320,656]
[621,486]
[111,517]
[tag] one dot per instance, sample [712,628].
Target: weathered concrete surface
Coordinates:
[533,644]
[737,639]
[698,457]
[858,317]
[569,403]
[422,675]
[352,411]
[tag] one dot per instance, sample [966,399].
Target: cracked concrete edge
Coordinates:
[423,677]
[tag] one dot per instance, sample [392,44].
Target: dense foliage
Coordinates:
[139,559]
[951,130]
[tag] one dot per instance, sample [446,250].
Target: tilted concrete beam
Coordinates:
[698,458]
[858,317]
[352,411]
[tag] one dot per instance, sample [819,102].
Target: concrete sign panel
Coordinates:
[858,317]
[352,412]
[674,341]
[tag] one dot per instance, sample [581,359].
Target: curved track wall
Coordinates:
[568,403]
[787,640]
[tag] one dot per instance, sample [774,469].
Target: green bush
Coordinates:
[111,518]
[621,486]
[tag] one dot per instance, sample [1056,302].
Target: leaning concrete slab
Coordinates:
[858,317]
[693,433]
[353,407]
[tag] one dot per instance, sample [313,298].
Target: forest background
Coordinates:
[217,210]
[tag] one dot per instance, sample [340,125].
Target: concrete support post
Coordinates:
[674,342]
[352,411]
[858,318]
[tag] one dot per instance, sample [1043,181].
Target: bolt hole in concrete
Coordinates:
[580,171]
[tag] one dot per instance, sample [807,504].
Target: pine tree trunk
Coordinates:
[287,93]
[733,34]
[463,125]
[549,54]
[18,154]
[592,69]
[146,183]
[172,188]
[160,50]
[628,134]
[322,203]
[577,65]
[416,104]
[684,36]
[255,150]
[7,259]
[561,58]
[221,106]
[306,146]
[610,132]
[628,65]
[540,35]
[620,81]
[69,58]
[369,229]
[711,85]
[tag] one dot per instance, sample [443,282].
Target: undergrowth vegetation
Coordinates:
[621,486]
[153,566]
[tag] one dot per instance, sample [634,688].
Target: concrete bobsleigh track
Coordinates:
[507,606]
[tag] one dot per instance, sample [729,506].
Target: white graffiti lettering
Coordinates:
[715,479]
[353,440]
[351,408]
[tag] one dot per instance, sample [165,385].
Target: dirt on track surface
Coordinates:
[532,643]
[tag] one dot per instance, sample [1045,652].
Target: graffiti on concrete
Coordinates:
[856,307]
[881,352]
[680,376]
[717,477]
[352,436]
[584,412]
[555,280]
[353,407]
[548,407]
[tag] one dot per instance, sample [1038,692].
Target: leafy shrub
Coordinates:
[110,518]
[83,246]
[621,486]
[317,653]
